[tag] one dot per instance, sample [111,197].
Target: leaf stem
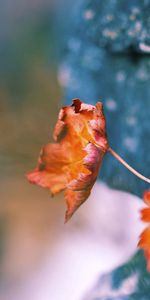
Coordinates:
[123,162]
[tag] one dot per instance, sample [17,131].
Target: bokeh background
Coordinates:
[40,258]
[29,101]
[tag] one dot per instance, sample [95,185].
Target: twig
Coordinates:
[123,162]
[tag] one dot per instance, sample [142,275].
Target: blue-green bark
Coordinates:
[108,59]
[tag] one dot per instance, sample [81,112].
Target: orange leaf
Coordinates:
[147,197]
[144,241]
[72,163]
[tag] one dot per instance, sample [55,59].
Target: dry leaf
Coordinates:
[144,241]
[72,163]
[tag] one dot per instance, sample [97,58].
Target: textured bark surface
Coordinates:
[108,58]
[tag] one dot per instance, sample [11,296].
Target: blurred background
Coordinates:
[29,102]
[40,259]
